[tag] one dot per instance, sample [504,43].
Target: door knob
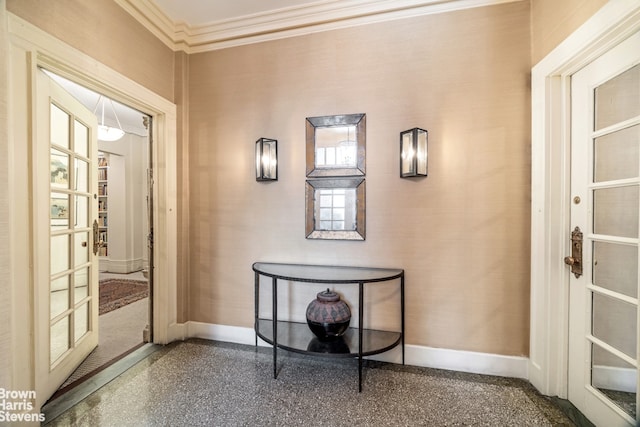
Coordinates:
[569,260]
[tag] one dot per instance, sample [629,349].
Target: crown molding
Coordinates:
[287,22]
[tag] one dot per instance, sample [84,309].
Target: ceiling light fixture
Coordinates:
[108,133]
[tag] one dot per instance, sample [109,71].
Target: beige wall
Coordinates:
[462,234]
[106,32]
[552,21]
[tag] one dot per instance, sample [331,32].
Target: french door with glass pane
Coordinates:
[605,220]
[64,210]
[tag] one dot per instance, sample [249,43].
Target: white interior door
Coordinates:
[605,191]
[65,208]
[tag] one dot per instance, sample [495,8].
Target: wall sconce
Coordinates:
[266,159]
[413,153]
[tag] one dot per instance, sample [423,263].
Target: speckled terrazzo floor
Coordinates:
[204,383]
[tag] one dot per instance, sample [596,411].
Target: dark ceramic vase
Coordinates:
[328,317]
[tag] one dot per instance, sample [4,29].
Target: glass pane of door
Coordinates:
[81,248]
[615,378]
[59,211]
[616,211]
[82,176]
[59,253]
[59,339]
[59,126]
[614,323]
[81,285]
[59,296]
[81,321]
[82,212]
[81,138]
[617,155]
[618,99]
[59,169]
[615,267]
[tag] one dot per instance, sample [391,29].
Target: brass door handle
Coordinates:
[575,260]
[569,260]
[96,237]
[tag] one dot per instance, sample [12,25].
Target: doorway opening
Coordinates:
[123,232]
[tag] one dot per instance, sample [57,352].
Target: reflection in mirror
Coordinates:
[336,145]
[335,209]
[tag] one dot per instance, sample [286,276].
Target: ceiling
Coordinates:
[201,12]
[202,25]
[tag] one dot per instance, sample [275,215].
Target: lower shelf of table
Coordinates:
[298,337]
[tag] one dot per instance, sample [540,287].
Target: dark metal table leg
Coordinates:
[402,312]
[255,305]
[274,291]
[360,328]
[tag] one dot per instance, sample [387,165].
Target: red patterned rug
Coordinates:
[116,293]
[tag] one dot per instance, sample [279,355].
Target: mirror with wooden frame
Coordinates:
[336,145]
[335,209]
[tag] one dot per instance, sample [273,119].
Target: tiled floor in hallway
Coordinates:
[204,383]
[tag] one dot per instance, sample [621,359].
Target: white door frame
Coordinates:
[550,179]
[30,47]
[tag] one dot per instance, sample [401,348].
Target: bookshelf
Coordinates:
[103,203]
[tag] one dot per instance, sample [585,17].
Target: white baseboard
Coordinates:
[612,378]
[468,361]
[121,266]
[175,332]
[428,357]
[234,334]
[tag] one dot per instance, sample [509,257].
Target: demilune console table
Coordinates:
[297,337]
